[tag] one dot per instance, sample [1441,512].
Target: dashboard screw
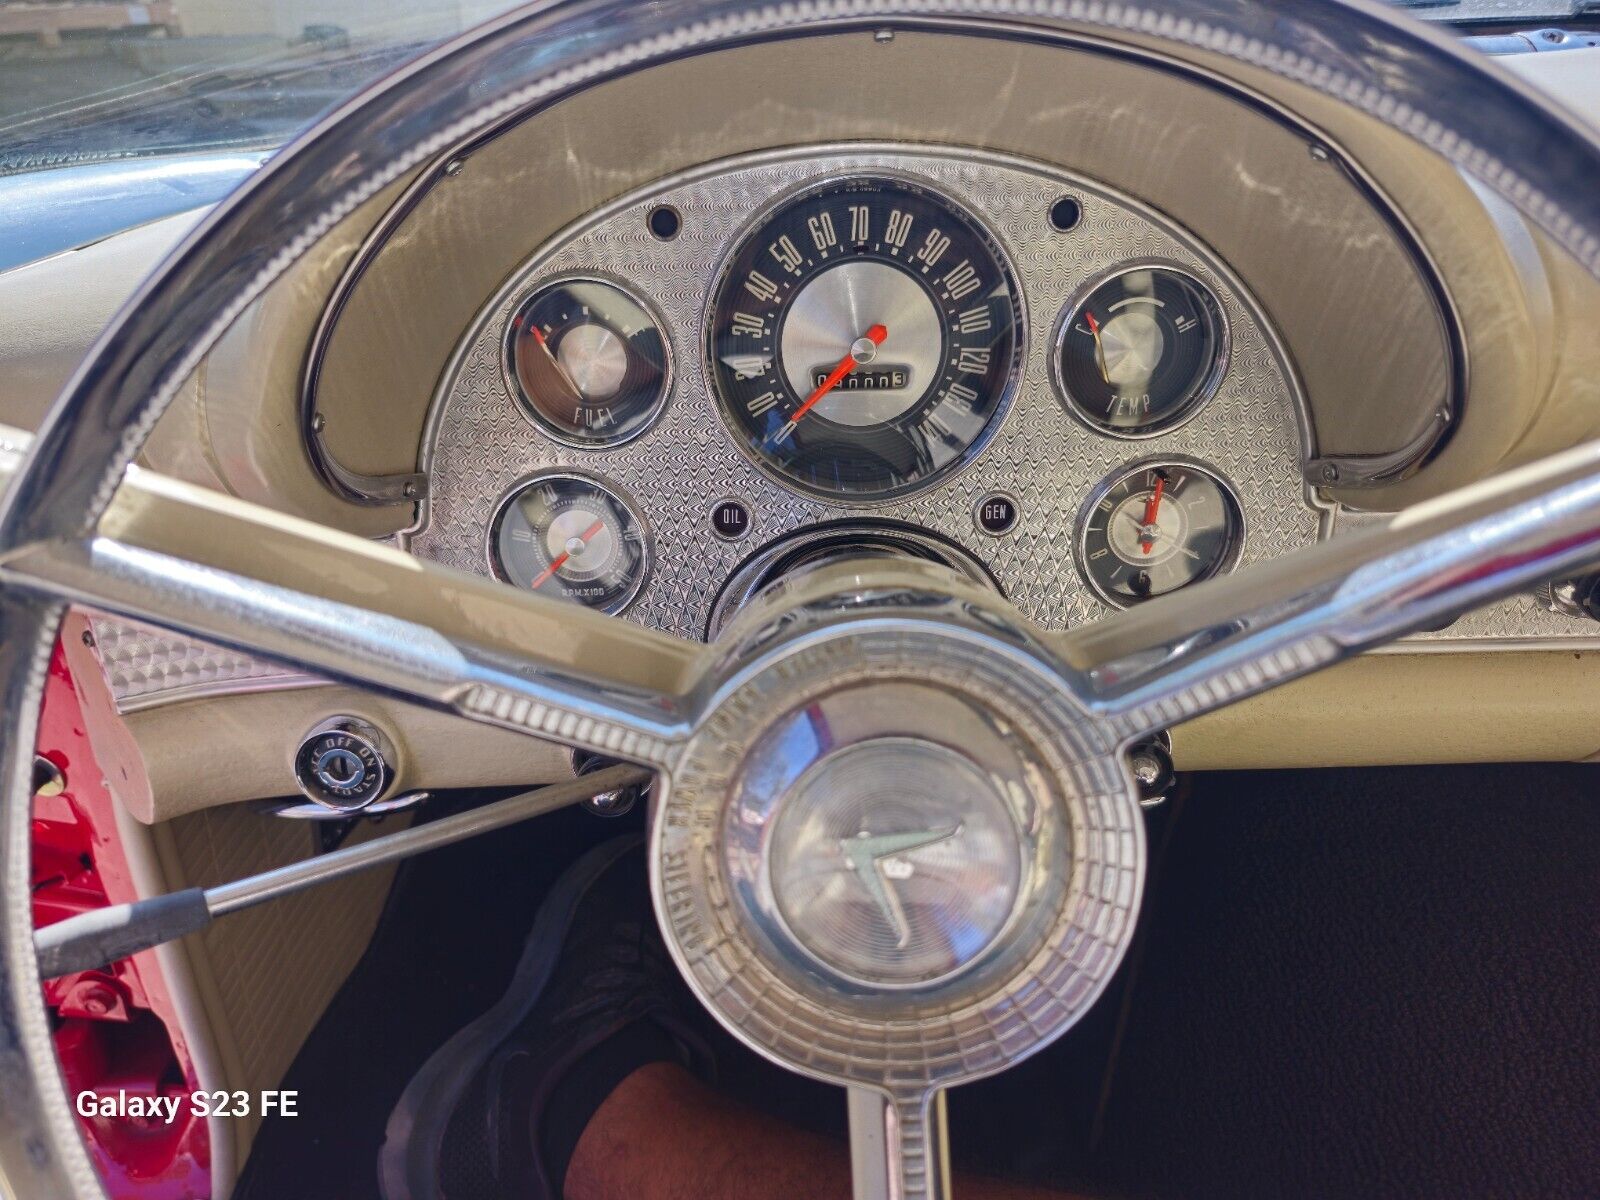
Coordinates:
[1330,473]
[883,35]
[453,167]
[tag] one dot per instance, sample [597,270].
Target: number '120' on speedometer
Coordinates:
[864,338]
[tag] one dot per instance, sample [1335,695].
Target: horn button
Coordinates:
[895,851]
[890,859]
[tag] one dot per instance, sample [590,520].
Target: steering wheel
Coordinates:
[770,743]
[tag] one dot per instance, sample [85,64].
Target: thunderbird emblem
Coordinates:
[876,862]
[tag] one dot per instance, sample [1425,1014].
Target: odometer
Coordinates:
[864,338]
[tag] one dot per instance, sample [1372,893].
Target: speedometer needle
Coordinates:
[848,363]
[1152,509]
[560,560]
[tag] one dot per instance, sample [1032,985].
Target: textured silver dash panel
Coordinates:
[146,666]
[1048,461]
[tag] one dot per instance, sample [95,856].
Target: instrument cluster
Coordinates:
[1017,366]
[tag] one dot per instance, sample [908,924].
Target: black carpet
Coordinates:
[1351,983]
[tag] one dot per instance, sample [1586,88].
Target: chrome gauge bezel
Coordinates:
[729,254]
[646,543]
[1192,407]
[1224,566]
[525,405]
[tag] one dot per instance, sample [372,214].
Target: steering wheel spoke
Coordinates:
[339,606]
[1190,653]
[899,1145]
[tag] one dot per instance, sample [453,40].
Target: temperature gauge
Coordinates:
[588,362]
[1142,352]
[1157,528]
[566,535]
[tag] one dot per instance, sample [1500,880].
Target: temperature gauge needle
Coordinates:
[560,560]
[1099,350]
[848,363]
[1152,509]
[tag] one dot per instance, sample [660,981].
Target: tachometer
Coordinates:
[565,535]
[1156,528]
[864,338]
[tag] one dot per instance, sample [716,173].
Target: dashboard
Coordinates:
[1095,324]
[900,349]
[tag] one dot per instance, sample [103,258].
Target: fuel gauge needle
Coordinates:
[1099,350]
[575,392]
[560,560]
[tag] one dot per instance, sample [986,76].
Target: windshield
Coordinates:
[85,81]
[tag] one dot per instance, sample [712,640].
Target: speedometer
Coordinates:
[864,338]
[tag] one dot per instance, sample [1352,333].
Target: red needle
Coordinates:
[560,559]
[848,363]
[1099,350]
[1152,507]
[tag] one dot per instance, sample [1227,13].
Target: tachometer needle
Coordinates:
[848,363]
[560,560]
[1152,509]
[1099,350]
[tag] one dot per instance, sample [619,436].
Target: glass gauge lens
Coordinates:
[589,362]
[1142,352]
[864,338]
[1158,528]
[570,537]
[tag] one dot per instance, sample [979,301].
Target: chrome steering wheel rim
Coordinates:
[1133,675]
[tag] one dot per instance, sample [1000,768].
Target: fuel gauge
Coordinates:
[1156,528]
[566,535]
[588,362]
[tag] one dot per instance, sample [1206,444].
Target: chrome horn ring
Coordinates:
[896,854]
[1159,665]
